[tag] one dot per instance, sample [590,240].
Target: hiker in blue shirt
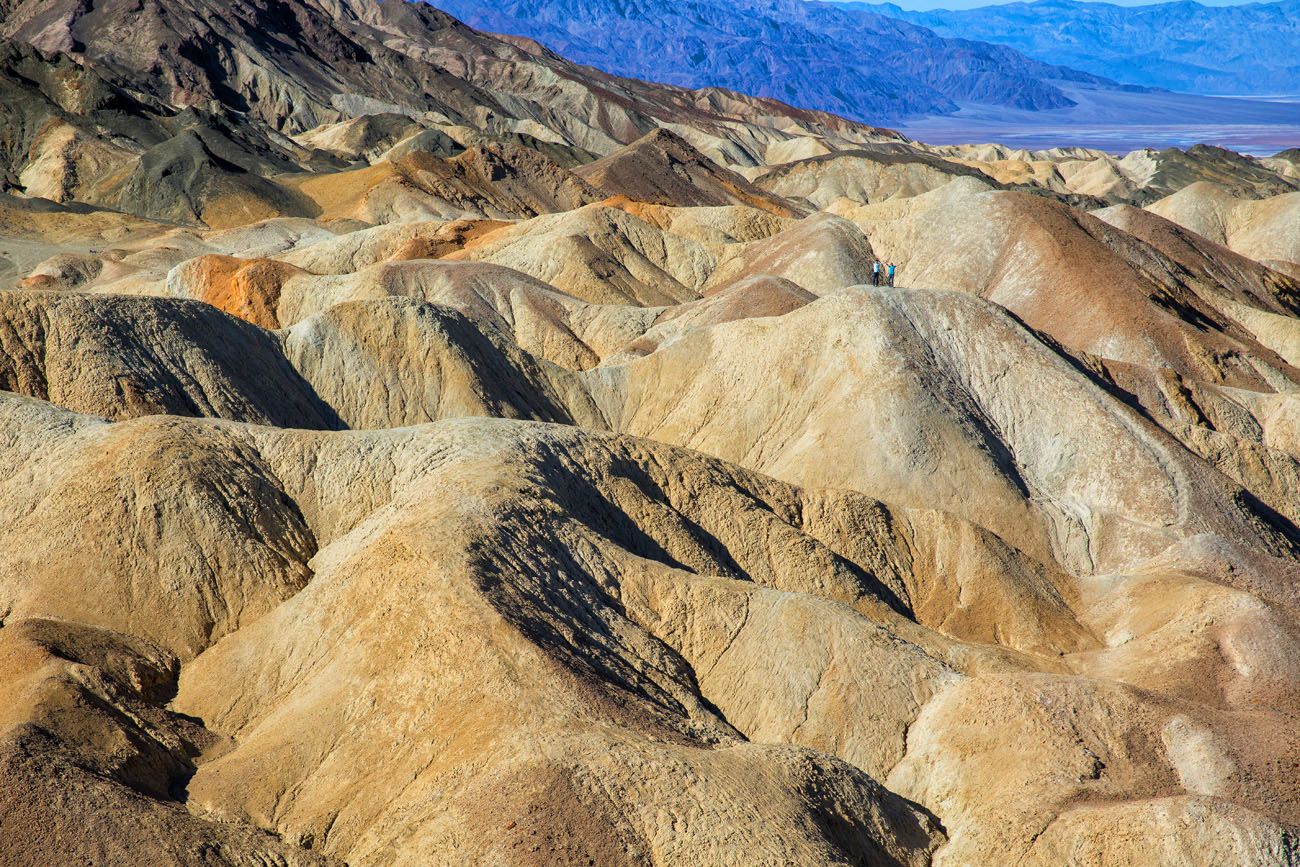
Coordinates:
[875,273]
[892,268]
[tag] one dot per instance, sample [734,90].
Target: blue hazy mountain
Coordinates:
[1251,49]
[825,56]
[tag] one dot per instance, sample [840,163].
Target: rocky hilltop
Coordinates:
[420,449]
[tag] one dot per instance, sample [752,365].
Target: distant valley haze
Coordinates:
[1186,47]
[1041,74]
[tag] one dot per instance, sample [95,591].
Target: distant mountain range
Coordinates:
[850,61]
[1251,49]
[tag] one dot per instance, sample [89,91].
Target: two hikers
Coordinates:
[886,268]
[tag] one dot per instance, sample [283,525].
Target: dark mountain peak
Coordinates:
[662,168]
[287,62]
[669,144]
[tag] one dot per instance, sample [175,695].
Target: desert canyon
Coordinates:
[419,449]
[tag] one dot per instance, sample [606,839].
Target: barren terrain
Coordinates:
[421,450]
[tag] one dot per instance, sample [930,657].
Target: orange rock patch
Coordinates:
[450,239]
[247,288]
[44,282]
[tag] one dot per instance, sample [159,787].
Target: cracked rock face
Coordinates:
[506,464]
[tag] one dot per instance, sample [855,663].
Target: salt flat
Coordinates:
[1118,122]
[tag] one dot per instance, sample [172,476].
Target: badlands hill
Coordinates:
[418,449]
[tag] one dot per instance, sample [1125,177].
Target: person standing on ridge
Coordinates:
[875,273]
[892,268]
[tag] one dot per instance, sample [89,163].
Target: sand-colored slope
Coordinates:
[349,252]
[543,321]
[1201,208]
[1267,230]
[499,181]
[1258,298]
[910,396]
[32,232]
[636,613]
[1137,178]
[661,574]
[613,726]
[709,225]
[609,625]
[203,540]
[1090,286]
[862,176]
[403,361]
[753,297]
[820,254]
[123,357]
[398,362]
[601,254]
[92,767]
[1240,278]
[387,362]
